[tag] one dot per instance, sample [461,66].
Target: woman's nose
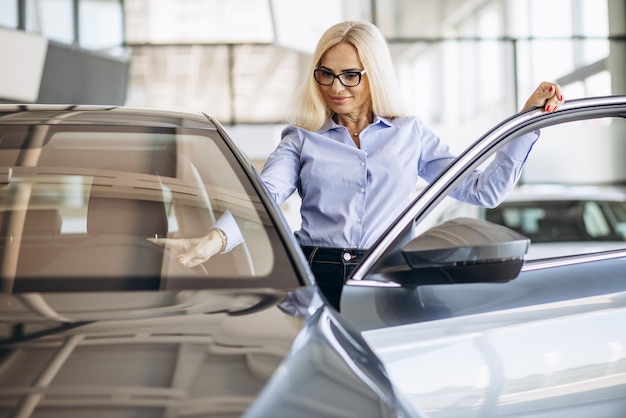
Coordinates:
[337,86]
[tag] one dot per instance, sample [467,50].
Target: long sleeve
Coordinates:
[489,187]
[227,223]
[282,168]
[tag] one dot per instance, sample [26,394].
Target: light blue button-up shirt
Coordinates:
[351,195]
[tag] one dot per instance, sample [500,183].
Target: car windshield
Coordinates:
[81,201]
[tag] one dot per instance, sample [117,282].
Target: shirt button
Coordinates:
[362,164]
[358,220]
[362,189]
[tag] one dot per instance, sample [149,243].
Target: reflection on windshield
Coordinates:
[82,201]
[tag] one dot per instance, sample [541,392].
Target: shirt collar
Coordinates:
[330,124]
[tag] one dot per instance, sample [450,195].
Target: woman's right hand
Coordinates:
[191,252]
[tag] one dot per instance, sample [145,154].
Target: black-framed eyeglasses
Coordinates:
[347,78]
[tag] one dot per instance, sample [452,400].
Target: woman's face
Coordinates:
[341,99]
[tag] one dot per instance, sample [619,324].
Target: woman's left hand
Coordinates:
[547,96]
[191,252]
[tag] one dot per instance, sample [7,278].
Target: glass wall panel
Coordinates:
[490,57]
[594,15]
[594,23]
[8,13]
[550,18]
[198,21]
[598,84]
[53,19]
[101,24]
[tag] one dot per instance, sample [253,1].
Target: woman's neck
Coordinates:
[354,123]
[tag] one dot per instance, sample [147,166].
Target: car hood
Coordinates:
[142,351]
[180,353]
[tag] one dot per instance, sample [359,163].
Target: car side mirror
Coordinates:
[465,250]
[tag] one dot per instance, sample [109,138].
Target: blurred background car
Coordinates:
[553,213]
[562,219]
[558,218]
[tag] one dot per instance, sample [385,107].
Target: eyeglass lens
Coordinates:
[348,78]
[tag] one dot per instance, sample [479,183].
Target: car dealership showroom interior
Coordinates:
[298,208]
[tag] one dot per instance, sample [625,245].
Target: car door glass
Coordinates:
[616,211]
[595,222]
[524,220]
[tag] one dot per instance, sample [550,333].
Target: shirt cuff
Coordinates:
[229,226]
[519,148]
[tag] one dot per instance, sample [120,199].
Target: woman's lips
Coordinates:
[339,99]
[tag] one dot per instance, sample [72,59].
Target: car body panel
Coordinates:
[372,305]
[525,362]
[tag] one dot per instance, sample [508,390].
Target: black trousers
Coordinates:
[331,267]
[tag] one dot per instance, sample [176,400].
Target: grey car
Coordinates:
[558,218]
[99,321]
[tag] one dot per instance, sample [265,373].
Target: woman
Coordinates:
[355,157]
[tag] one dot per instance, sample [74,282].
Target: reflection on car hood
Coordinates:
[512,362]
[140,351]
[186,353]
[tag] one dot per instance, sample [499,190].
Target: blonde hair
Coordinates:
[309,110]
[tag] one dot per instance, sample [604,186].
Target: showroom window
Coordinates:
[459,62]
[193,21]
[490,58]
[101,24]
[8,14]
[92,24]
[53,19]
[573,52]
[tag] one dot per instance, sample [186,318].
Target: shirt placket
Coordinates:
[357,229]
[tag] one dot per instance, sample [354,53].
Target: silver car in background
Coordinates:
[559,219]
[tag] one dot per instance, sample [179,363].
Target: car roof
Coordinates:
[101,115]
[563,192]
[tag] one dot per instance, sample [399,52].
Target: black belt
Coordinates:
[333,254]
